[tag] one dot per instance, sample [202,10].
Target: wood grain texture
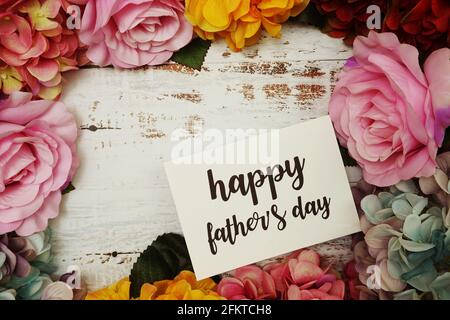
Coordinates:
[122,201]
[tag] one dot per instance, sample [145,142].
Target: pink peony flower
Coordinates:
[37,159]
[129,34]
[35,47]
[249,282]
[389,113]
[302,278]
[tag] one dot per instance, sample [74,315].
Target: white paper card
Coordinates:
[235,214]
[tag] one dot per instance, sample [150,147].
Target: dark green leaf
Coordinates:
[164,259]
[68,189]
[193,55]
[348,160]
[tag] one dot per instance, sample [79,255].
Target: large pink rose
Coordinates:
[132,33]
[389,113]
[37,159]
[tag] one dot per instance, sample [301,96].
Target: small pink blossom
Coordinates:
[302,278]
[249,282]
[35,47]
[298,277]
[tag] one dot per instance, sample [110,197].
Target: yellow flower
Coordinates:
[240,21]
[184,287]
[117,291]
[42,14]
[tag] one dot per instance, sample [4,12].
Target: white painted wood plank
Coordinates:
[122,201]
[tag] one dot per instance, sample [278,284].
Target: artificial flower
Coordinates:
[183,287]
[250,282]
[35,47]
[438,185]
[297,277]
[57,290]
[72,279]
[300,277]
[360,188]
[12,262]
[117,291]
[38,159]
[352,280]
[19,254]
[131,34]
[389,113]
[240,21]
[406,246]
[7,294]
[27,263]
[347,18]
[421,23]
[424,24]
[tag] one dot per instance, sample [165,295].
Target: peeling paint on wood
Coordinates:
[122,201]
[194,125]
[309,93]
[248,91]
[267,68]
[193,97]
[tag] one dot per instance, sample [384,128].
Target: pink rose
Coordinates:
[37,159]
[129,34]
[389,113]
[249,282]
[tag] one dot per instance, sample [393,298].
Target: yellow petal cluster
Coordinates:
[183,287]
[240,21]
[117,291]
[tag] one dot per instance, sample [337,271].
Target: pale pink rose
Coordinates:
[128,34]
[249,282]
[37,159]
[389,113]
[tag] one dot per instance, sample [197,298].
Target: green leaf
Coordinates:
[164,259]
[348,160]
[193,55]
[68,189]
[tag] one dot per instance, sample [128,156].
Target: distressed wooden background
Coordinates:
[122,201]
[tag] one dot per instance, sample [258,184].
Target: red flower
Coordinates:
[421,23]
[347,18]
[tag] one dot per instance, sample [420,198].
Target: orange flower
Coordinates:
[184,287]
[240,21]
[117,291]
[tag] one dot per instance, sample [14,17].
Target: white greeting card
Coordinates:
[262,196]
